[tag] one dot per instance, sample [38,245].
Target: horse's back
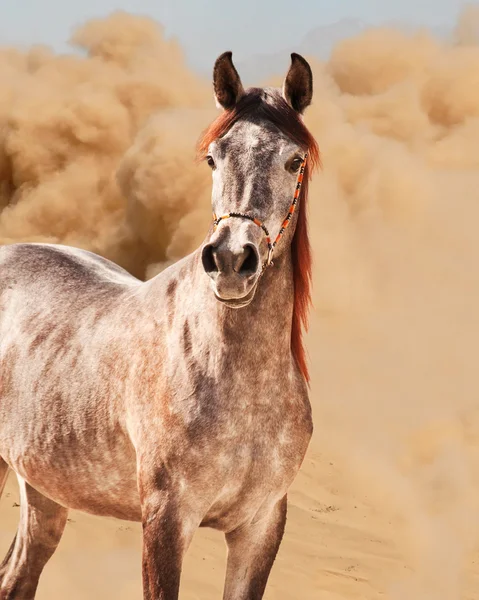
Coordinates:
[43,281]
[34,264]
[46,283]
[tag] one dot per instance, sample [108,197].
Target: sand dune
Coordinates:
[98,152]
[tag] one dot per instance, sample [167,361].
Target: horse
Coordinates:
[181,401]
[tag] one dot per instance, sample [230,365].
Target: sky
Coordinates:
[205,28]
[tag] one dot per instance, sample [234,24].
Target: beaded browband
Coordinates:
[292,208]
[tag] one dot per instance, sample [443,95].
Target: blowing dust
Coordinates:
[97,151]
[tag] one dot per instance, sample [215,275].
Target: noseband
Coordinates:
[292,208]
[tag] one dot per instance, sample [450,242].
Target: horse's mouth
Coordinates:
[238,302]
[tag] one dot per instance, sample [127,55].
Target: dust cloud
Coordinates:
[395,333]
[97,151]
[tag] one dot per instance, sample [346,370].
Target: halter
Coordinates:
[292,208]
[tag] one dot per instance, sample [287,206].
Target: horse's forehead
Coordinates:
[249,136]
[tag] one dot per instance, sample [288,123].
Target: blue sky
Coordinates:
[206,28]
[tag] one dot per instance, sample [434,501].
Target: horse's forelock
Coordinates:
[271,106]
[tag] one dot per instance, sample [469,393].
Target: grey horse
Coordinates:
[181,401]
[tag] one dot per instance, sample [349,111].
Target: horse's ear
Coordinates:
[226,82]
[298,85]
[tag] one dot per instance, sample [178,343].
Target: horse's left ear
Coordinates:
[226,82]
[298,85]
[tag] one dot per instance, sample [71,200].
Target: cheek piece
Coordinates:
[284,225]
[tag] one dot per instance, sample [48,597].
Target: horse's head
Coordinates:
[257,150]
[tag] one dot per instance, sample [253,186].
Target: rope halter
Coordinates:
[284,225]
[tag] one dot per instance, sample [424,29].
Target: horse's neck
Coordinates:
[260,331]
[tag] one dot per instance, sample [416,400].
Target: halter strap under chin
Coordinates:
[284,225]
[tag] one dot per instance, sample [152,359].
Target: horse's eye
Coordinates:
[295,165]
[210,161]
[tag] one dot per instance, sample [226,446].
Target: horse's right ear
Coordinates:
[226,82]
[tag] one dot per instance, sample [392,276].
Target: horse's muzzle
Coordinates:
[234,271]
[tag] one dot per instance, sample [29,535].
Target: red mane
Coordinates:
[276,110]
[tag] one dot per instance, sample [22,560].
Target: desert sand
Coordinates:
[98,152]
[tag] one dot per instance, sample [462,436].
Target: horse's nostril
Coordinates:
[248,260]
[226,262]
[208,259]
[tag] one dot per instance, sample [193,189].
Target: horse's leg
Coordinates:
[169,523]
[42,522]
[167,533]
[252,549]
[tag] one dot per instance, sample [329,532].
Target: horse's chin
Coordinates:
[238,302]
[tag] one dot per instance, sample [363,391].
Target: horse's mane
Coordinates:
[272,107]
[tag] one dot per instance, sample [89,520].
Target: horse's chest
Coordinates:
[277,440]
[259,457]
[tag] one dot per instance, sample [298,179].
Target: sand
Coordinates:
[386,504]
